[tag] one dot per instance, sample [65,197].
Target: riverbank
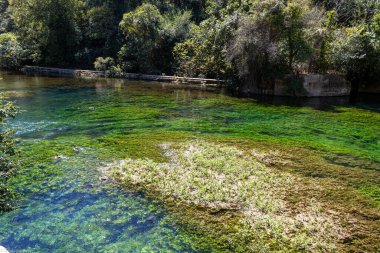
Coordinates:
[58,72]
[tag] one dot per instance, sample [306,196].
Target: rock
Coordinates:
[91,108]
[88,186]
[3,250]
[58,158]
[150,218]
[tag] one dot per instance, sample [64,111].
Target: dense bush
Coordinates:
[104,64]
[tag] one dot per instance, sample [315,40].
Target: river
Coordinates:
[69,128]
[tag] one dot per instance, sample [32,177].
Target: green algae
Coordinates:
[114,120]
[350,131]
[223,180]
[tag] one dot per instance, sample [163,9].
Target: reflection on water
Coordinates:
[365,101]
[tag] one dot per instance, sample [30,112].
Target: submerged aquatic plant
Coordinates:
[8,163]
[222,178]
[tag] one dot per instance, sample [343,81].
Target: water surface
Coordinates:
[67,208]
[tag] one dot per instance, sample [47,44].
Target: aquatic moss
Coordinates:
[223,179]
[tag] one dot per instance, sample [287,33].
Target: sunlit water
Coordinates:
[67,208]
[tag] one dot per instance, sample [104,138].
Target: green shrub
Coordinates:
[11,51]
[104,64]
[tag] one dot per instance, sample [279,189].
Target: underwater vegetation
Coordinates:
[221,179]
[262,176]
[8,155]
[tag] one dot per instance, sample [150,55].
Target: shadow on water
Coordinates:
[370,102]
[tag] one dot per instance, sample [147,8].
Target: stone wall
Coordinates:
[315,85]
[58,72]
[310,85]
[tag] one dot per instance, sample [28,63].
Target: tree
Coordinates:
[292,20]
[150,37]
[101,25]
[250,39]
[141,30]
[255,51]
[11,52]
[374,29]
[270,42]
[99,35]
[204,52]
[350,12]
[355,54]
[48,28]
[5,19]
[174,28]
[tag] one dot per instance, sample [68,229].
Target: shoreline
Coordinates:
[59,72]
[313,86]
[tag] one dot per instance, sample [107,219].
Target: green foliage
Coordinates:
[5,19]
[346,47]
[100,23]
[375,28]
[255,50]
[49,28]
[11,51]
[150,38]
[355,52]
[272,42]
[8,162]
[350,40]
[174,28]
[256,41]
[204,52]
[350,12]
[100,27]
[104,64]
[297,49]
[321,33]
[141,30]
[108,65]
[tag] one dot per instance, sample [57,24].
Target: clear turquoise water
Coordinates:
[65,207]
